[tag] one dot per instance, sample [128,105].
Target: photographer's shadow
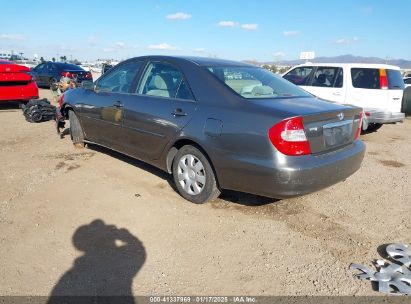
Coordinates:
[112,257]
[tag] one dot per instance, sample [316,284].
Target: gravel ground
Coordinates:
[80,221]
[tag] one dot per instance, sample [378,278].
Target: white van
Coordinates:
[377,88]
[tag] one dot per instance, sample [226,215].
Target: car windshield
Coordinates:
[254,82]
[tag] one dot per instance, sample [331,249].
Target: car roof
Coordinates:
[200,61]
[353,65]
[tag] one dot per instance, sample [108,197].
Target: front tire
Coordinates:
[76,131]
[193,176]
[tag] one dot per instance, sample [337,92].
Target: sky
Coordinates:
[262,30]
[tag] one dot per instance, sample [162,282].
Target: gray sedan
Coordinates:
[217,124]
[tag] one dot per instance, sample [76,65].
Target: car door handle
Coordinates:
[178,112]
[337,94]
[118,104]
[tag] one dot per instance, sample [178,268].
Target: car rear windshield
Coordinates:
[365,78]
[68,66]
[254,82]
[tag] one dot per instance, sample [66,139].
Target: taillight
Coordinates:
[289,138]
[61,100]
[28,73]
[383,80]
[66,74]
[357,134]
[88,75]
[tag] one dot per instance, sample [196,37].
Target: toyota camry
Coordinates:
[217,124]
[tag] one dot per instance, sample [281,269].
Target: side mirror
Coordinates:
[87,85]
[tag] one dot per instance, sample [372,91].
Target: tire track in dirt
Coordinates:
[334,237]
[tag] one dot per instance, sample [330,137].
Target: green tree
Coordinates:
[42,59]
[53,59]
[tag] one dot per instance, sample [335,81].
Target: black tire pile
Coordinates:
[38,110]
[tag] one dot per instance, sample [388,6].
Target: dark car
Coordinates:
[218,124]
[105,68]
[50,72]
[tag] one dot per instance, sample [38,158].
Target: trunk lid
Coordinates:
[331,130]
[80,75]
[14,73]
[328,126]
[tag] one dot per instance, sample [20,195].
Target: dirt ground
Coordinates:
[90,220]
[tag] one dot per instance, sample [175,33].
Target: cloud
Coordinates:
[108,50]
[178,16]
[92,40]
[199,50]
[367,10]
[249,26]
[120,45]
[279,54]
[227,23]
[347,41]
[163,46]
[291,33]
[14,37]
[65,48]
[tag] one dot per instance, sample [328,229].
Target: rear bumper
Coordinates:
[382,117]
[293,176]
[24,92]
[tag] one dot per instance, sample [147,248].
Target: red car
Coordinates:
[16,83]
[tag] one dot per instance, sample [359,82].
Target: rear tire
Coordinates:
[406,101]
[372,127]
[52,80]
[76,131]
[193,176]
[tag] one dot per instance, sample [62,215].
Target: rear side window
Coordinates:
[329,77]
[299,76]
[407,81]
[163,79]
[364,78]
[395,81]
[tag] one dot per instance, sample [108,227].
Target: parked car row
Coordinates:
[377,88]
[218,124]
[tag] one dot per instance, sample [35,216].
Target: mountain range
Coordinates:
[402,63]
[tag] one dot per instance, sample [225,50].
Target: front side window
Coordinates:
[119,80]
[299,76]
[329,77]
[407,81]
[164,80]
[254,82]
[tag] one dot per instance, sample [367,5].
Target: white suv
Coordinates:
[377,88]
